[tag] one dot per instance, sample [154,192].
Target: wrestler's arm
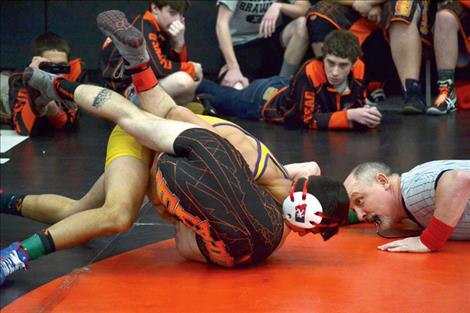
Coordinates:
[304,169]
[452,194]
[186,243]
[286,232]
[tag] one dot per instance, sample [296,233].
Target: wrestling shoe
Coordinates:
[12,259]
[126,38]
[414,102]
[446,101]
[40,88]
[374,97]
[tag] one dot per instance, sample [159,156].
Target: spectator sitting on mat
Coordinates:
[323,94]
[53,52]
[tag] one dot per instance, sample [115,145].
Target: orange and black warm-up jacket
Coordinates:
[310,101]
[163,59]
[23,119]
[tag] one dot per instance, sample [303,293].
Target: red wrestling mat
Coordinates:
[346,274]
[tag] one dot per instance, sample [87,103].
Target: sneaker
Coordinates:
[207,100]
[446,101]
[414,104]
[12,259]
[127,39]
[374,97]
[40,88]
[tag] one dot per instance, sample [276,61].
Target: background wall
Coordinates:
[21,21]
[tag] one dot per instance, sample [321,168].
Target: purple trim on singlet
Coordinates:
[260,153]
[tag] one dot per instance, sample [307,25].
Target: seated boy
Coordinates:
[54,51]
[163,27]
[326,94]
[254,42]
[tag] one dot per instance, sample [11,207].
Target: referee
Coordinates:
[434,195]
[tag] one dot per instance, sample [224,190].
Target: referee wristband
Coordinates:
[436,234]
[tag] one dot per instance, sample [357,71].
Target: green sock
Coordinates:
[39,244]
[33,246]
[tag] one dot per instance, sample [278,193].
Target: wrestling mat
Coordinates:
[346,274]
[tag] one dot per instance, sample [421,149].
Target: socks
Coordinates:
[11,203]
[64,88]
[39,244]
[443,75]
[143,77]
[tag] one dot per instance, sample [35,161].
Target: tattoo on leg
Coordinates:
[102,96]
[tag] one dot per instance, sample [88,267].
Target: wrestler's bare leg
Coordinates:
[156,133]
[51,208]
[117,213]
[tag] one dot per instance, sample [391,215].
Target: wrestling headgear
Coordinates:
[317,202]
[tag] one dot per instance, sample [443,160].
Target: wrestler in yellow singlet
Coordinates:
[122,144]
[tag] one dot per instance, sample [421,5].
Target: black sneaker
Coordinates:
[446,101]
[414,104]
[207,100]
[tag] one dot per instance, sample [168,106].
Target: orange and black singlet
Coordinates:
[209,187]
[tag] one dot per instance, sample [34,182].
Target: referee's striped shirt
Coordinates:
[418,188]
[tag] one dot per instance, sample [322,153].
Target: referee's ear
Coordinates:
[383,180]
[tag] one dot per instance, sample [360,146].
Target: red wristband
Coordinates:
[144,80]
[436,234]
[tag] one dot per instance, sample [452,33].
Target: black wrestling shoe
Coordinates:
[414,104]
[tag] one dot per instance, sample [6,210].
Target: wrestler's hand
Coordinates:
[268,23]
[410,244]
[305,169]
[374,14]
[363,7]
[176,30]
[37,60]
[369,116]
